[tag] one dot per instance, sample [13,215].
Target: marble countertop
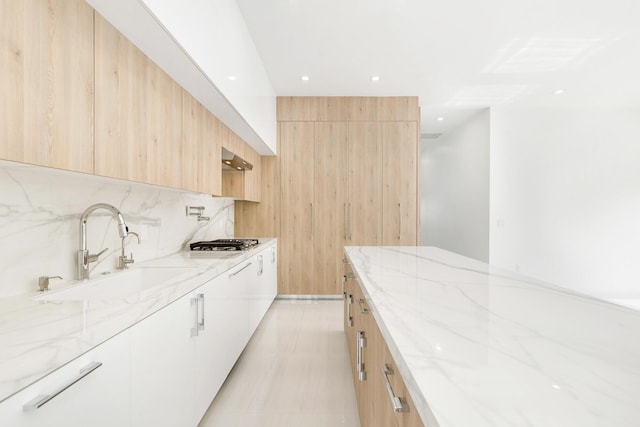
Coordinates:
[37,337]
[478,346]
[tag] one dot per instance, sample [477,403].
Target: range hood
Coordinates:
[232,162]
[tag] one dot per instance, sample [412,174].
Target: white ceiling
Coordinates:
[458,56]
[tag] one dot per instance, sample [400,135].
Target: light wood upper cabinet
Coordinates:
[242,185]
[330,193]
[399,188]
[138,111]
[262,219]
[201,148]
[46,64]
[252,189]
[296,221]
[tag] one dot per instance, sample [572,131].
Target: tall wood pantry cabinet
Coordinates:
[347,175]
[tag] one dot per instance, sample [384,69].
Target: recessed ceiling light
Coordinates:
[227,162]
[375,78]
[304,78]
[440,119]
[239,168]
[559,92]
[232,78]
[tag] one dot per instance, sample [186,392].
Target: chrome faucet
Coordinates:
[123,261]
[84,257]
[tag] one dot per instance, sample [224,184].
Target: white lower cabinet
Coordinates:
[162,359]
[166,369]
[221,339]
[194,343]
[262,287]
[92,390]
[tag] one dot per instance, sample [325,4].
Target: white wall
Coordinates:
[40,215]
[215,35]
[565,197]
[455,189]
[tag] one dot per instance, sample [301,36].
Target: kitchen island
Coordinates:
[479,346]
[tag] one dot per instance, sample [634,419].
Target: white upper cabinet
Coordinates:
[201,44]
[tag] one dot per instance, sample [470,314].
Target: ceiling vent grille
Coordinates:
[430,135]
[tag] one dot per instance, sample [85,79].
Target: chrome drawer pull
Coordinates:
[349,316]
[201,322]
[396,402]
[41,400]
[195,301]
[236,272]
[363,310]
[361,343]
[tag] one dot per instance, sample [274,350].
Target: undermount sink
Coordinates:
[117,285]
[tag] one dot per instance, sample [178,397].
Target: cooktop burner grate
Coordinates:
[223,245]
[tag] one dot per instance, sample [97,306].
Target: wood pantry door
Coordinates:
[296,151]
[400,186]
[364,209]
[330,205]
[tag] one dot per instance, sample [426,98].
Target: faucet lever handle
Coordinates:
[102,251]
[93,258]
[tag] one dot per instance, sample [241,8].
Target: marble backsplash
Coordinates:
[40,212]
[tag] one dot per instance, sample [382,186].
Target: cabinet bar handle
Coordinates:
[273,255]
[41,400]
[396,402]
[399,221]
[344,280]
[201,322]
[363,309]
[196,319]
[349,217]
[344,223]
[238,271]
[361,343]
[311,230]
[260,265]
[349,317]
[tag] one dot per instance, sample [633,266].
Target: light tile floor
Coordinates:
[294,372]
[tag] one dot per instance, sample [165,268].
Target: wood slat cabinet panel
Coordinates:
[46,64]
[296,197]
[411,418]
[252,178]
[211,149]
[399,183]
[364,223]
[330,194]
[201,148]
[347,108]
[138,111]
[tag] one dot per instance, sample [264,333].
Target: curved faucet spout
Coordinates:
[84,258]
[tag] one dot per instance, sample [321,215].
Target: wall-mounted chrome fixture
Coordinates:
[43,282]
[197,211]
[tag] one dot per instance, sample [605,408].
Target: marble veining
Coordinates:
[38,336]
[480,346]
[40,211]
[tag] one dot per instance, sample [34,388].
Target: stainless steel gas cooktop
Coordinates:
[223,245]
